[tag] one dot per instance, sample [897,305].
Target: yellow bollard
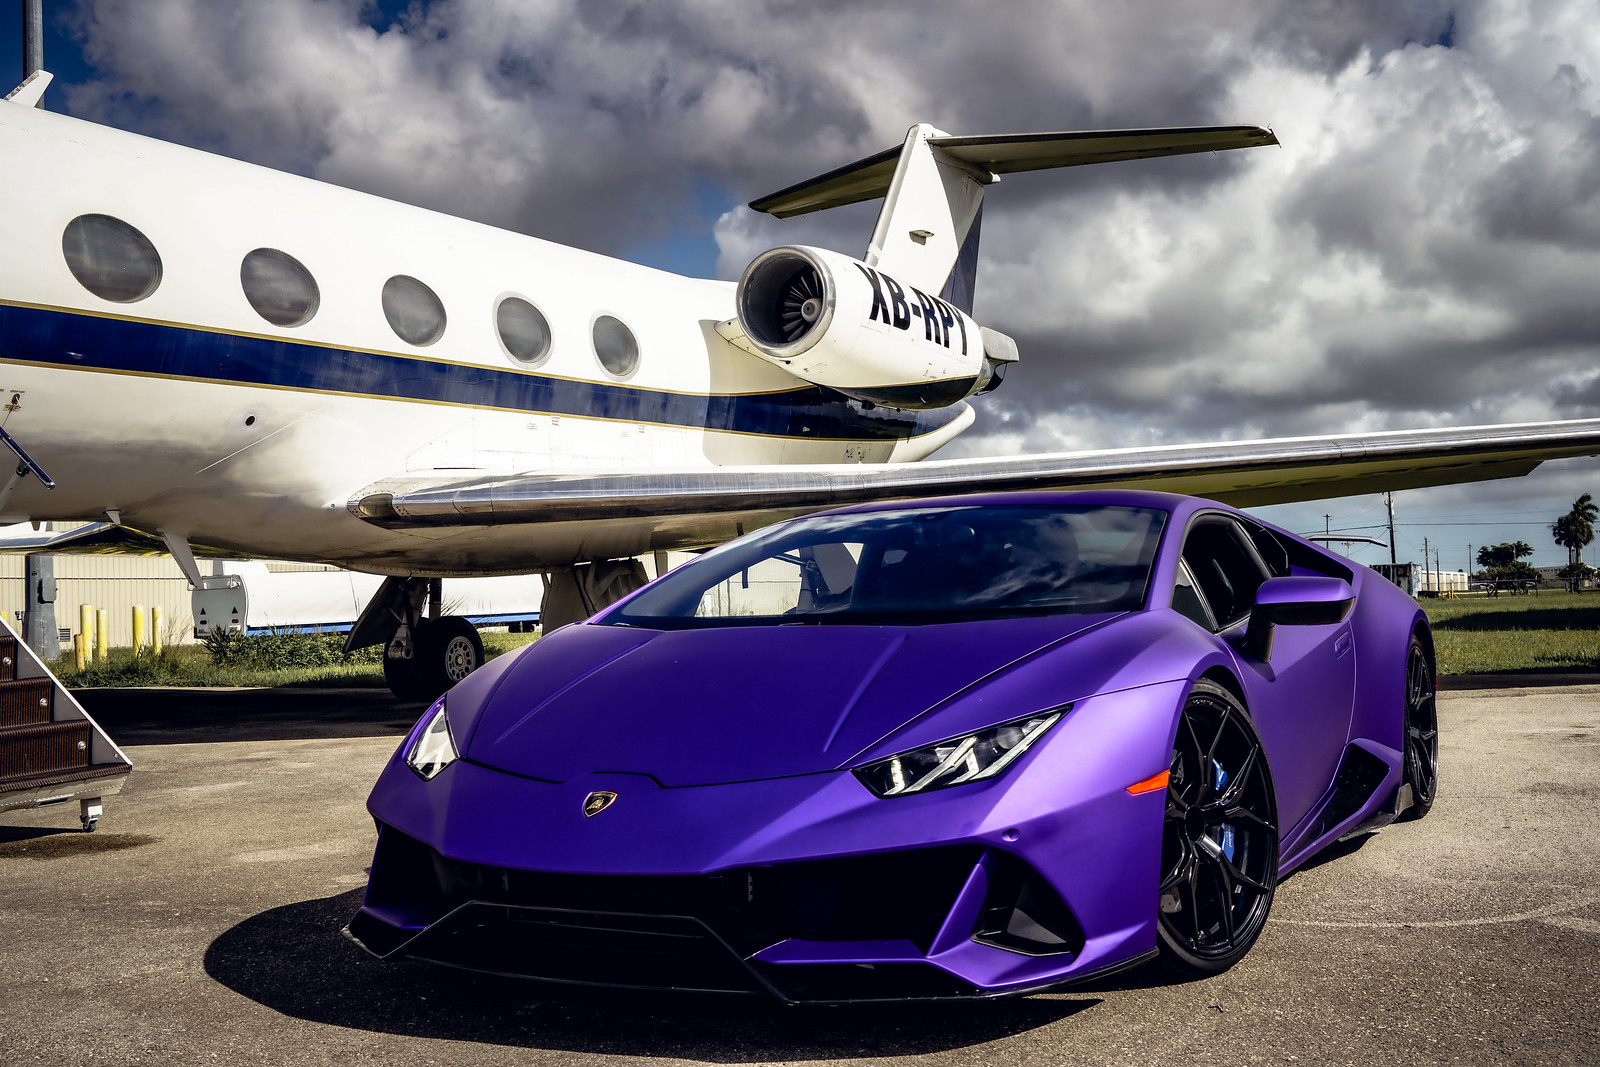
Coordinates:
[155,630]
[138,630]
[80,649]
[102,633]
[86,625]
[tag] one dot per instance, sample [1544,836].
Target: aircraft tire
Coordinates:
[446,651]
[401,676]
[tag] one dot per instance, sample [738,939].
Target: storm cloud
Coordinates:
[1422,249]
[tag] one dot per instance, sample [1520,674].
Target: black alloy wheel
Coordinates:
[1422,732]
[1219,842]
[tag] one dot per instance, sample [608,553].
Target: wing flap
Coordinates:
[697,505]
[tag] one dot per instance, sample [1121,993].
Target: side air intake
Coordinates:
[837,322]
[786,300]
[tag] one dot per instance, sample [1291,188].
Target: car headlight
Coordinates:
[972,758]
[434,749]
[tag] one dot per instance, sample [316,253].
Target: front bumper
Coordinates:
[918,924]
[807,888]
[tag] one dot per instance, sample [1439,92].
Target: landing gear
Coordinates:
[443,651]
[425,651]
[89,809]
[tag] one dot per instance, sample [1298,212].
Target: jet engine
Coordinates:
[837,322]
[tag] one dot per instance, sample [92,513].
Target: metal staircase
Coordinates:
[50,750]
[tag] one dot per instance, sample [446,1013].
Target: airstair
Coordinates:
[51,751]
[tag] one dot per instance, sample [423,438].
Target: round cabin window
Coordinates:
[615,346]
[111,259]
[279,287]
[523,330]
[413,311]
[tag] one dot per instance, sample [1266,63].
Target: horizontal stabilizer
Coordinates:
[1007,153]
[697,507]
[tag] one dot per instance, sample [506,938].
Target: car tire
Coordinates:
[1421,726]
[1219,842]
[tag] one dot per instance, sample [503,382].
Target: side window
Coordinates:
[1269,548]
[523,330]
[1186,600]
[279,287]
[111,259]
[615,346]
[1226,572]
[413,310]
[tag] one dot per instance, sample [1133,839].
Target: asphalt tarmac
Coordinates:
[200,924]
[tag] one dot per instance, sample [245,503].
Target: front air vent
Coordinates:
[1022,914]
[785,300]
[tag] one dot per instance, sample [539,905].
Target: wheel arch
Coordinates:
[1217,674]
[1422,630]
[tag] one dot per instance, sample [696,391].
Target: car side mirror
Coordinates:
[1294,601]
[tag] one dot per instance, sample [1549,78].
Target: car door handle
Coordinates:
[1341,644]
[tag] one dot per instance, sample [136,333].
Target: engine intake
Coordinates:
[837,322]
[784,300]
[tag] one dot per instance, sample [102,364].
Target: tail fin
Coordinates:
[932,185]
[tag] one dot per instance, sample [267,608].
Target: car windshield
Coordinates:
[928,565]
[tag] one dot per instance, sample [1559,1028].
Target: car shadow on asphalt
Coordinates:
[293,960]
[162,716]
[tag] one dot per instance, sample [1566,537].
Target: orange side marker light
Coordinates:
[1150,784]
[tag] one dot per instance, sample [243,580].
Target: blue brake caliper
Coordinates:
[1224,833]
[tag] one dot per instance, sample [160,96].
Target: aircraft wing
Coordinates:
[99,539]
[700,506]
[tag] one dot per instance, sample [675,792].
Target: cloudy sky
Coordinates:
[1422,250]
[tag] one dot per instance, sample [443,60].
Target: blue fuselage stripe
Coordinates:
[61,338]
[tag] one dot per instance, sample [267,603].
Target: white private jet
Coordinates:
[214,358]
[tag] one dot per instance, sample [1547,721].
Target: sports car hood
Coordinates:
[703,707]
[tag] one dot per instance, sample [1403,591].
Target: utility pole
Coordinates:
[1389,499]
[1327,527]
[32,36]
[1427,579]
[1438,569]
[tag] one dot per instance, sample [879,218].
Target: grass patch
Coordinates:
[1550,632]
[267,660]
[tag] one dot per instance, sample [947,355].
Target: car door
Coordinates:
[1300,700]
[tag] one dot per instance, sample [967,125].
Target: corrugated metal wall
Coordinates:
[115,583]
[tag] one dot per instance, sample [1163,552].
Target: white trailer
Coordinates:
[253,598]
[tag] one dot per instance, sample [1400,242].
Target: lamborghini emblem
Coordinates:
[595,803]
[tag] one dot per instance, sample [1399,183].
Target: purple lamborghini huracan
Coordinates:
[947,748]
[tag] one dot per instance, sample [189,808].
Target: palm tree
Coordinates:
[1575,530]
